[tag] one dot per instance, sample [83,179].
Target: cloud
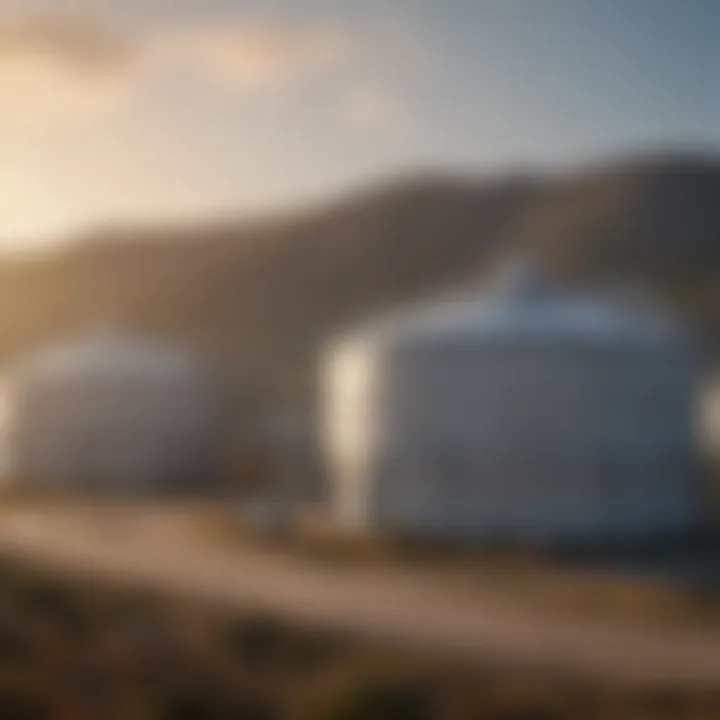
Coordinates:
[371,108]
[80,43]
[36,92]
[59,71]
[257,57]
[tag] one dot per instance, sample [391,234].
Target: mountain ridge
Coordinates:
[263,296]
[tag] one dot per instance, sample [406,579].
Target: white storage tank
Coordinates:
[111,414]
[710,411]
[526,412]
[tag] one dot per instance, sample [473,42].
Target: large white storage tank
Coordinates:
[111,414]
[526,412]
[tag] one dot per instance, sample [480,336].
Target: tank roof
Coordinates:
[109,351]
[522,303]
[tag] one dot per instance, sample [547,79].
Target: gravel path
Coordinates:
[161,550]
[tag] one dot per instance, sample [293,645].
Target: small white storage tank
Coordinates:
[526,412]
[111,414]
[710,410]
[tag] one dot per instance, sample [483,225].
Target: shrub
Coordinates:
[372,699]
[208,704]
[255,640]
[19,703]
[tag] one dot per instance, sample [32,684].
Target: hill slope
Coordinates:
[653,220]
[262,297]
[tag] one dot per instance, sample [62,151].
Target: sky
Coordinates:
[118,112]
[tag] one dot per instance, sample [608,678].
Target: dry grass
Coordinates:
[72,649]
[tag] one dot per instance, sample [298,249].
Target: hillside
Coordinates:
[653,220]
[262,297]
[259,298]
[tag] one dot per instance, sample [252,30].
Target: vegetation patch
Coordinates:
[72,648]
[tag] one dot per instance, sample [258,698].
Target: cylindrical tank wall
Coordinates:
[519,438]
[119,431]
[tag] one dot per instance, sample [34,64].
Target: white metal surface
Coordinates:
[523,412]
[109,413]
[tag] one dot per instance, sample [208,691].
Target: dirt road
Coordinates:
[161,550]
